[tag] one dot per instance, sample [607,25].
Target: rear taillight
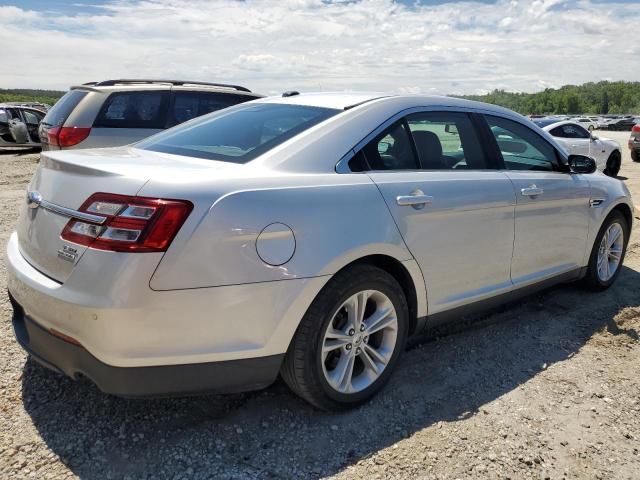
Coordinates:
[67,136]
[131,224]
[636,128]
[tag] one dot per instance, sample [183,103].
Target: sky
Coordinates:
[410,46]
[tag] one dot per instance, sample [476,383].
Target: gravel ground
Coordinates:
[547,388]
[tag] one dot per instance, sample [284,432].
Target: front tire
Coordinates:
[613,164]
[608,252]
[349,341]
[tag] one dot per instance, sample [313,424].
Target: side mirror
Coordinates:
[451,128]
[582,164]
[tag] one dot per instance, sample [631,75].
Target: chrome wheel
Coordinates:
[359,341]
[610,252]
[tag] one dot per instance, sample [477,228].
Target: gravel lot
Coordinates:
[548,388]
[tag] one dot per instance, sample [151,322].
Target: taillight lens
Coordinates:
[636,128]
[133,224]
[67,136]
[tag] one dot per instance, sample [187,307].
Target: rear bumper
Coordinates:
[74,361]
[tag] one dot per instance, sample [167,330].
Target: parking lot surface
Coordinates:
[547,388]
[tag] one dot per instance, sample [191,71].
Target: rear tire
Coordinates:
[635,155]
[595,279]
[613,164]
[325,344]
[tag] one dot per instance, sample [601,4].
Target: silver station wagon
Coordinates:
[306,235]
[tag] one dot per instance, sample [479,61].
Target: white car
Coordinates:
[578,141]
[588,123]
[306,235]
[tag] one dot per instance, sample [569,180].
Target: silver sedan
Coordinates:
[303,235]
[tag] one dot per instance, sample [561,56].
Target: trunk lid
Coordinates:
[68,178]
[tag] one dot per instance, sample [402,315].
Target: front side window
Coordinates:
[143,109]
[569,130]
[31,117]
[446,141]
[238,134]
[521,147]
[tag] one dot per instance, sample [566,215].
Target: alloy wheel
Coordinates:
[610,252]
[359,341]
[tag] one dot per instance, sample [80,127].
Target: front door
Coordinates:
[552,205]
[455,213]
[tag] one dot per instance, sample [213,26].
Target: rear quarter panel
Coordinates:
[335,219]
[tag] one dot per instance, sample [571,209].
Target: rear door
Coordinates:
[552,205]
[129,116]
[454,210]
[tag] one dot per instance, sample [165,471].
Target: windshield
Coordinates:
[238,134]
[543,122]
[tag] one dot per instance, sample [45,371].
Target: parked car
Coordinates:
[306,235]
[19,125]
[119,112]
[634,143]
[587,123]
[623,124]
[578,141]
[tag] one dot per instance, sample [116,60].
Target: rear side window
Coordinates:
[239,134]
[188,105]
[134,110]
[521,147]
[63,107]
[391,150]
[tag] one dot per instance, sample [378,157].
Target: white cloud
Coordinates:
[457,47]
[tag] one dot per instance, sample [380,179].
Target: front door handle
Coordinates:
[531,191]
[417,199]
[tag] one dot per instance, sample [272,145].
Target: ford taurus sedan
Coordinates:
[304,235]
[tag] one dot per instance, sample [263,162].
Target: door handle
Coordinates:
[417,199]
[531,191]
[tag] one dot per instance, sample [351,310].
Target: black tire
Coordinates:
[591,280]
[591,128]
[302,368]
[635,155]
[613,164]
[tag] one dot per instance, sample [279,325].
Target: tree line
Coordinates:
[592,98]
[27,95]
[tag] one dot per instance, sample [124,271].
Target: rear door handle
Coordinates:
[531,191]
[417,199]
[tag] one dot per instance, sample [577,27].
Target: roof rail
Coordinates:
[109,83]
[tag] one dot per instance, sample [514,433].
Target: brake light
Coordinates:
[636,128]
[67,136]
[132,224]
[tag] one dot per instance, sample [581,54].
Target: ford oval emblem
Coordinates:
[34,199]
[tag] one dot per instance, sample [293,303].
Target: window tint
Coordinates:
[521,147]
[188,105]
[570,130]
[146,109]
[63,107]
[391,150]
[445,141]
[239,134]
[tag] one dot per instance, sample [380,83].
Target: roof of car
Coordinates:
[159,84]
[348,100]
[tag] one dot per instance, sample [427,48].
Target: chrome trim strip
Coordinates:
[68,212]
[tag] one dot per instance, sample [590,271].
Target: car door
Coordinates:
[454,210]
[552,205]
[32,119]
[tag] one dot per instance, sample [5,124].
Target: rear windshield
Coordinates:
[63,107]
[238,134]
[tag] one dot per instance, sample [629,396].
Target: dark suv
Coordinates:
[119,112]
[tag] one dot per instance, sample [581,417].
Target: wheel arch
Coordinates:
[406,279]
[626,212]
